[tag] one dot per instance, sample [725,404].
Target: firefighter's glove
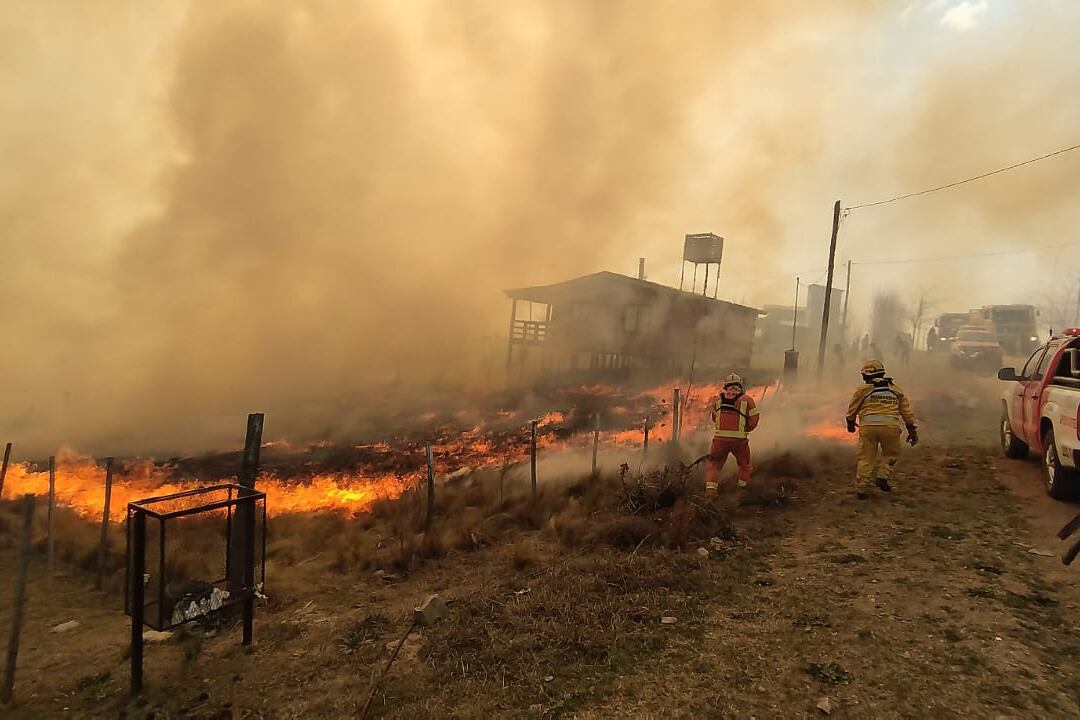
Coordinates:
[912,435]
[851,426]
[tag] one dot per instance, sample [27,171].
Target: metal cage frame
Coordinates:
[241,507]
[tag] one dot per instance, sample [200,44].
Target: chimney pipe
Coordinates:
[641,269]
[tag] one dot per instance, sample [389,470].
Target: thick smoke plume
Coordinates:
[212,208]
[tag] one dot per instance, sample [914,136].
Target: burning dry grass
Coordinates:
[579,577]
[624,511]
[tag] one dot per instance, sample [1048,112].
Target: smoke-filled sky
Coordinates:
[210,208]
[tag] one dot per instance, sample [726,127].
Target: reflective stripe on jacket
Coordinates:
[735,420]
[880,403]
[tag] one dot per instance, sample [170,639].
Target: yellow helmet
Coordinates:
[733,379]
[873,368]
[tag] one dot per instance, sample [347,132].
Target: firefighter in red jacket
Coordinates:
[735,415]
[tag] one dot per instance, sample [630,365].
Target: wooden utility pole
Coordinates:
[795,314]
[430,488]
[8,688]
[828,293]
[52,504]
[4,467]
[847,297]
[103,545]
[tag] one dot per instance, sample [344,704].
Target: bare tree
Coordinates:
[922,309]
[1061,305]
[888,321]
[887,317]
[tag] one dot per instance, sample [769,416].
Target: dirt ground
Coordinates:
[945,599]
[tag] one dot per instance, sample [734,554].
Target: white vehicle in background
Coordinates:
[1040,411]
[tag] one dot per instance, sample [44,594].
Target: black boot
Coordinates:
[883,484]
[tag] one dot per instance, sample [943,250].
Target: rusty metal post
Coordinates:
[4,467]
[52,504]
[8,689]
[103,545]
[137,560]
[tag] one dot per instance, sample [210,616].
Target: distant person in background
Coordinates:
[866,343]
[838,356]
[903,348]
[932,339]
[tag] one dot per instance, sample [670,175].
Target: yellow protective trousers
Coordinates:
[871,465]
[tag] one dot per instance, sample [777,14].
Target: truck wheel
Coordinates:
[1011,445]
[1061,482]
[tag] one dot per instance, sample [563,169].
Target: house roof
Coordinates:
[619,289]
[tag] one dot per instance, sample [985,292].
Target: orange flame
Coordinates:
[80,484]
[393,466]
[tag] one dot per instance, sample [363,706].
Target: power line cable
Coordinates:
[966,180]
[963,257]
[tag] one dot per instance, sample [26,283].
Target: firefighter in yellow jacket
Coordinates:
[882,410]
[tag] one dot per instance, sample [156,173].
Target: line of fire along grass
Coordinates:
[559,643]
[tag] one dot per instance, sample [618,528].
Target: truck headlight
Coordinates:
[1034,339]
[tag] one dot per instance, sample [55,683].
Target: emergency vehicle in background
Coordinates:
[976,348]
[948,325]
[1040,411]
[1014,326]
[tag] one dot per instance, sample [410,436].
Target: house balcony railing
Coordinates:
[528,332]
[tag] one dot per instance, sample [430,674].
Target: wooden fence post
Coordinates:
[4,467]
[8,689]
[430,488]
[676,416]
[645,443]
[595,441]
[532,457]
[103,545]
[242,541]
[52,504]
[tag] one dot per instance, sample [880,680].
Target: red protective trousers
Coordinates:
[721,448]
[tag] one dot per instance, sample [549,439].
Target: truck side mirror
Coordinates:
[1008,374]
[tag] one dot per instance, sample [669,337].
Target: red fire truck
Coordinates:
[1040,411]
